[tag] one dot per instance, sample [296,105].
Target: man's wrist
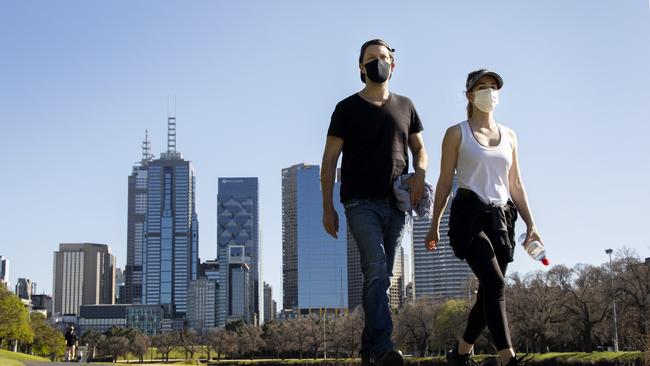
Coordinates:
[420,172]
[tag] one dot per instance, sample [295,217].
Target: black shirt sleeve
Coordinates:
[337,124]
[415,125]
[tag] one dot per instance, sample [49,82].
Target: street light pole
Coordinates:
[324,338]
[611,275]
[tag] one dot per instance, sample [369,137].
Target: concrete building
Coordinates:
[84,274]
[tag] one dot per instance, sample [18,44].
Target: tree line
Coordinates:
[559,309]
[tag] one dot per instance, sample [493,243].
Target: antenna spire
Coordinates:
[171,129]
[146,148]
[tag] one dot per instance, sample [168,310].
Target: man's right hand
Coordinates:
[331,221]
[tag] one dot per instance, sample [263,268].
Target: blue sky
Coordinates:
[256,82]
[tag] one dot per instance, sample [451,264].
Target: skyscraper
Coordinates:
[438,273]
[355,275]
[120,287]
[314,265]
[238,225]
[210,270]
[239,285]
[4,271]
[396,291]
[136,220]
[83,274]
[172,240]
[24,288]
[268,303]
[201,303]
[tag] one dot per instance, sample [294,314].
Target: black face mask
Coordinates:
[377,71]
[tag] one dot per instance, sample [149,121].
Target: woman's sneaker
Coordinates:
[390,358]
[521,361]
[367,361]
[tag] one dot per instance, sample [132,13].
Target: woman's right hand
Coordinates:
[433,236]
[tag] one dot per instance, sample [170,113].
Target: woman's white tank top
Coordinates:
[484,169]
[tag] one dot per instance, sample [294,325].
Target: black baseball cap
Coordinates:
[475,76]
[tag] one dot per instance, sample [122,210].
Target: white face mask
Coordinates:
[486,99]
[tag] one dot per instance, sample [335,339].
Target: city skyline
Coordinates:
[81,83]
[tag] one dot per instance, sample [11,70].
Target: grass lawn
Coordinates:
[577,357]
[14,358]
[590,357]
[176,354]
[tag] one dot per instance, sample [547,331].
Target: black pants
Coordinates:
[489,264]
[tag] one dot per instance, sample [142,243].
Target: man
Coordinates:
[70,342]
[374,129]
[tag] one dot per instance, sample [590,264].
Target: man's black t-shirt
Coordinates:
[375,143]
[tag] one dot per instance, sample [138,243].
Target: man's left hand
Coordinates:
[416,186]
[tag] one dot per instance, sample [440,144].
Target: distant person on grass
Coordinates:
[71,340]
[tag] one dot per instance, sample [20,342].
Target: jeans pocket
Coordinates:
[351,203]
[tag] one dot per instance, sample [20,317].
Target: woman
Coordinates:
[483,154]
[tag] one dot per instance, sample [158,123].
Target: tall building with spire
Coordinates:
[170,255]
[136,220]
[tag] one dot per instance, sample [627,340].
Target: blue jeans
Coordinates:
[377,226]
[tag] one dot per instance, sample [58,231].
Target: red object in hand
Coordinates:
[431,245]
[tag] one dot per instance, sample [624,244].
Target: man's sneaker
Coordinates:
[456,359]
[390,358]
[366,361]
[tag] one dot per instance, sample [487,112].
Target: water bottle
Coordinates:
[535,249]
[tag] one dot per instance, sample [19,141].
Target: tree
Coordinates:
[139,345]
[275,334]
[14,319]
[535,308]
[235,325]
[315,330]
[414,325]
[189,340]
[586,287]
[250,337]
[350,331]
[449,322]
[92,339]
[300,330]
[335,339]
[115,346]
[632,291]
[165,343]
[48,342]
[221,341]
